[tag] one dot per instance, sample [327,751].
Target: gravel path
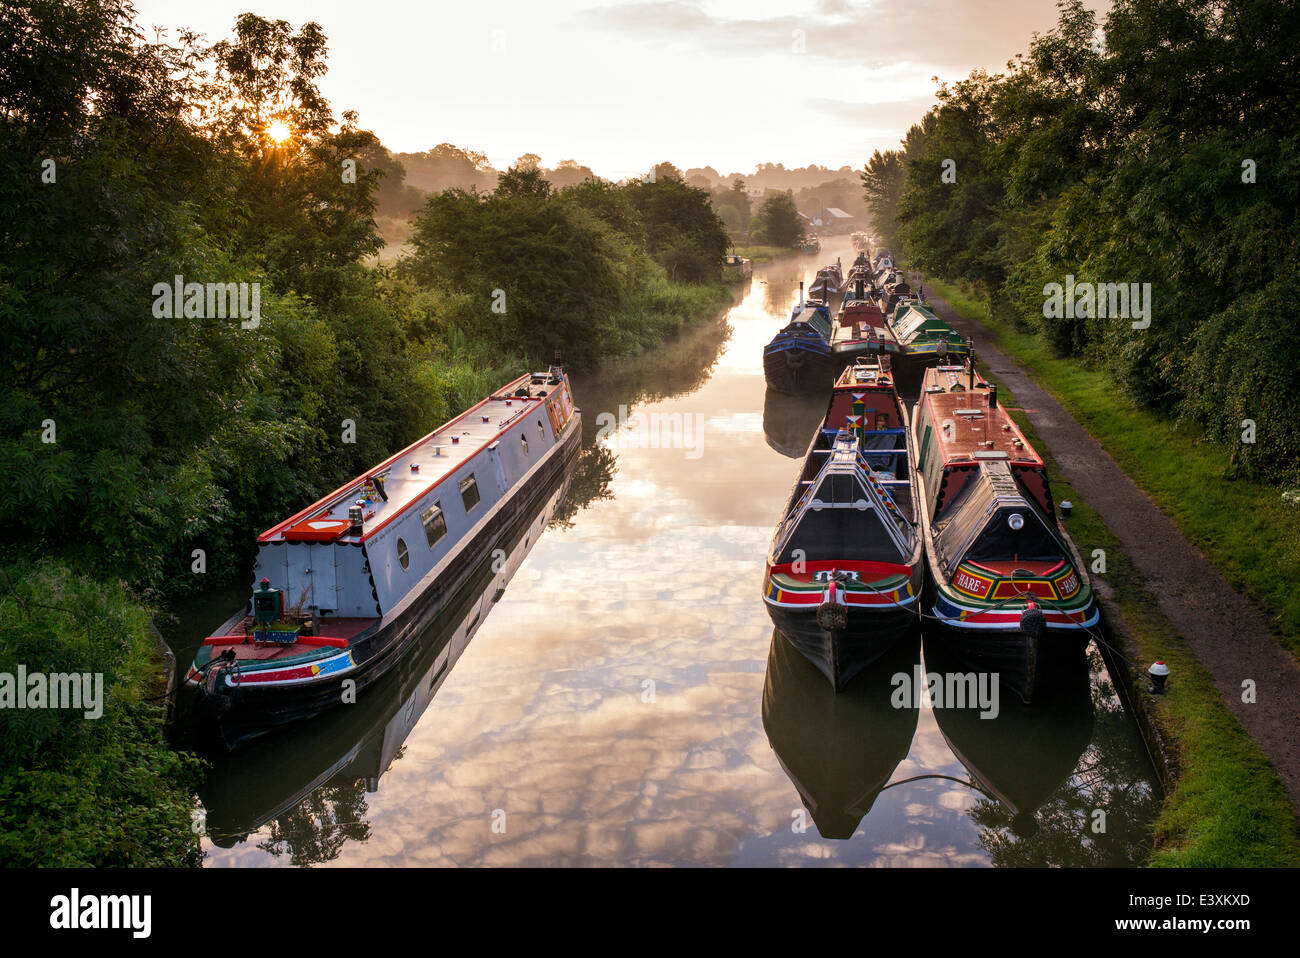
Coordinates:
[1226,632]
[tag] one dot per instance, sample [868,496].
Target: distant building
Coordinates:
[833,219]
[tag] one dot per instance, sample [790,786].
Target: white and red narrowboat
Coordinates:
[1006,584]
[845,568]
[343,587]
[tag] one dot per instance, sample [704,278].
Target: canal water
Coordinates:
[616,695]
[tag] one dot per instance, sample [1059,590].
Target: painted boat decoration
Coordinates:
[1006,583]
[272,775]
[924,340]
[845,568]
[347,584]
[838,749]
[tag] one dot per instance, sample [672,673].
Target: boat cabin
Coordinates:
[360,550]
[970,453]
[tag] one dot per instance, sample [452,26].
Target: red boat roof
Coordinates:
[968,428]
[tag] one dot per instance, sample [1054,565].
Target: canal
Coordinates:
[615,694]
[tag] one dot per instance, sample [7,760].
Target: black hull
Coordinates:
[812,373]
[1023,666]
[842,655]
[233,717]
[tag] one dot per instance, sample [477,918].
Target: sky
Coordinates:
[622,86]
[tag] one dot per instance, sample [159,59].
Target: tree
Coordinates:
[777,222]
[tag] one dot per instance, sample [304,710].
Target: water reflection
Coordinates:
[790,421]
[1046,770]
[839,750]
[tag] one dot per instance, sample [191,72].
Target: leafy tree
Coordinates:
[778,222]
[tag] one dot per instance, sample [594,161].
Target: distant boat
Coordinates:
[845,568]
[346,585]
[744,266]
[799,358]
[810,351]
[839,750]
[1005,582]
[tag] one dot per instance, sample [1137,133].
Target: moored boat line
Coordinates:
[1006,588]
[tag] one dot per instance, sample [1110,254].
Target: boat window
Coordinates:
[403,556]
[523,441]
[469,492]
[541,433]
[435,526]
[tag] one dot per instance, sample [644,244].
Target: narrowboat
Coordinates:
[828,283]
[272,775]
[799,359]
[1005,583]
[860,327]
[924,340]
[346,585]
[845,568]
[839,750]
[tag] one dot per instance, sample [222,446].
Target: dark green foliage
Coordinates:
[1126,162]
[78,791]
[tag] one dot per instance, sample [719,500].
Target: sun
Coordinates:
[278,131]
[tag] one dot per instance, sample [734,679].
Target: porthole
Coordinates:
[403,556]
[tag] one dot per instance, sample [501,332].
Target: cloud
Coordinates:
[949,36]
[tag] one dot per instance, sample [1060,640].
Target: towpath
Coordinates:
[1229,635]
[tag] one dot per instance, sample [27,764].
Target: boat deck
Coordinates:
[969,426]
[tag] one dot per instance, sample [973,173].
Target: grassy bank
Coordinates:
[78,789]
[1225,806]
[1244,528]
[763,254]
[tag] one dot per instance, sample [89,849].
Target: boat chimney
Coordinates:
[970,361]
[858,288]
[993,396]
[355,521]
[800,292]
